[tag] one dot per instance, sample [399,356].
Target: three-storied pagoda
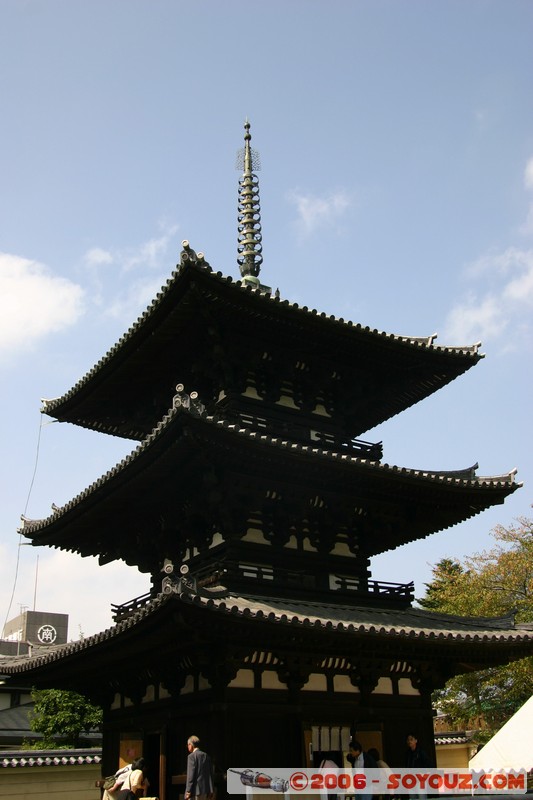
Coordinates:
[255,508]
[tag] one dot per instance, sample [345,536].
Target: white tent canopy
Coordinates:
[511,747]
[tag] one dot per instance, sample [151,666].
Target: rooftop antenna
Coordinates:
[250,248]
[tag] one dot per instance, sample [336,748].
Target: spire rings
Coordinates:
[249,247]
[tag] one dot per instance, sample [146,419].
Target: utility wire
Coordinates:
[41,426]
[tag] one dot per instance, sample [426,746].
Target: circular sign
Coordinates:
[47,634]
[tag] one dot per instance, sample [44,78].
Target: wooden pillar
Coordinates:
[163,763]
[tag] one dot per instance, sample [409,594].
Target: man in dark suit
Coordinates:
[199,772]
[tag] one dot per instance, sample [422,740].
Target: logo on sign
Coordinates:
[47,634]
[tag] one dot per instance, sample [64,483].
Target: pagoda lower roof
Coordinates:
[168,468]
[127,391]
[162,627]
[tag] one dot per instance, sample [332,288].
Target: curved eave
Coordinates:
[71,652]
[347,627]
[472,494]
[438,365]
[367,621]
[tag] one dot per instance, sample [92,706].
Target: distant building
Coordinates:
[29,634]
[15,704]
[454,749]
[33,628]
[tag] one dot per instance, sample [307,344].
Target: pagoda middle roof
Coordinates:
[161,348]
[170,463]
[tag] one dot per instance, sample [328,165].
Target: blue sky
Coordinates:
[396,141]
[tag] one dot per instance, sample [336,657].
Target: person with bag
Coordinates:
[135,784]
[113,783]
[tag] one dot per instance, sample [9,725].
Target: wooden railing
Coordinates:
[268,578]
[124,610]
[303,434]
[382,588]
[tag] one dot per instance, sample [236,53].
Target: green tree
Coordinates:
[448,577]
[493,583]
[61,717]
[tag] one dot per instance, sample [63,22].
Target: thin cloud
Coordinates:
[482,118]
[527,227]
[500,296]
[528,174]
[519,290]
[132,296]
[33,303]
[80,577]
[494,265]
[145,255]
[475,319]
[149,253]
[131,303]
[315,213]
[96,256]
[500,301]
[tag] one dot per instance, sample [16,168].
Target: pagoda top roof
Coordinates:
[184,434]
[139,358]
[479,640]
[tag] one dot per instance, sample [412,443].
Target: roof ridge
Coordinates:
[271,441]
[230,605]
[193,262]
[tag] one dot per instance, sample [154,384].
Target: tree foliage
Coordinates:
[61,717]
[493,583]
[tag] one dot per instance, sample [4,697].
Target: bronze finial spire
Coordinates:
[250,248]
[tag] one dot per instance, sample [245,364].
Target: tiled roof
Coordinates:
[344,620]
[263,302]
[14,722]
[464,478]
[452,738]
[49,758]
[410,622]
